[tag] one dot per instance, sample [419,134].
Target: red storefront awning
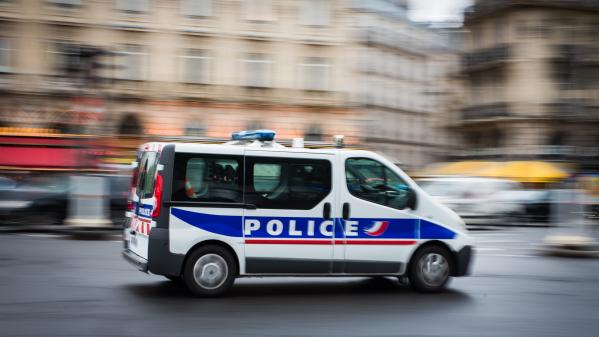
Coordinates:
[29,152]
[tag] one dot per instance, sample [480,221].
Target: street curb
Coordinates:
[57,229]
[570,245]
[569,252]
[500,227]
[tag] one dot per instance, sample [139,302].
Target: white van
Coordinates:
[209,213]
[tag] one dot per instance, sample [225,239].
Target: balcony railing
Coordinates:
[486,56]
[494,6]
[572,109]
[564,152]
[485,111]
[399,40]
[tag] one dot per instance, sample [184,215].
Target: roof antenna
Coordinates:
[338,141]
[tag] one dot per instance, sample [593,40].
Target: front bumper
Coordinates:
[139,262]
[463,261]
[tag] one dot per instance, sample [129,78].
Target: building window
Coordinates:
[65,3]
[313,133]
[132,5]
[197,8]
[254,125]
[315,72]
[4,55]
[499,30]
[257,69]
[196,66]
[315,12]
[131,63]
[130,124]
[565,68]
[195,129]
[66,58]
[258,10]
[557,138]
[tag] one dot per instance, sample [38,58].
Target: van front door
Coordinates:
[291,229]
[379,229]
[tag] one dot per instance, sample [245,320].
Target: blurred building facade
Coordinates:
[531,75]
[308,68]
[403,82]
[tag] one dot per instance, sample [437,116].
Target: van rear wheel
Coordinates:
[430,269]
[209,271]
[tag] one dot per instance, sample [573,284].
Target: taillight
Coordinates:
[132,189]
[157,196]
[134,177]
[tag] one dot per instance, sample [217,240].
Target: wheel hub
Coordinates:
[210,271]
[434,269]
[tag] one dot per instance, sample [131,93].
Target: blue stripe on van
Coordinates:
[429,230]
[231,225]
[228,225]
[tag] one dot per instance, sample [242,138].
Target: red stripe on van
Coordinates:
[287,242]
[377,242]
[327,242]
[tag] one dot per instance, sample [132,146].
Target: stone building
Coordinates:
[531,74]
[306,68]
[403,83]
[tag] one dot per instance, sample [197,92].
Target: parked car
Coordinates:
[119,194]
[34,200]
[535,204]
[44,199]
[475,199]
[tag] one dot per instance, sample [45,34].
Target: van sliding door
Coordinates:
[291,229]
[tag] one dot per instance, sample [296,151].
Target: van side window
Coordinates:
[287,183]
[207,178]
[267,176]
[370,180]
[147,175]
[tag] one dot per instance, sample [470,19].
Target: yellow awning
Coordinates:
[467,167]
[525,171]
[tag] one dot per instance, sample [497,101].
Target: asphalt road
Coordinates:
[53,286]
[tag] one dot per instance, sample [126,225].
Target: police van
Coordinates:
[209,213]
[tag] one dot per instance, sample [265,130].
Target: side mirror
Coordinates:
[412,201]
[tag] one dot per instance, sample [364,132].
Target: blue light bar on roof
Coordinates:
[262,135]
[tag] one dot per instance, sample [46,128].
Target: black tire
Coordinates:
[217,260]
[437,279]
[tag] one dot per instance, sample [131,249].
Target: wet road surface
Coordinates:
[55,286]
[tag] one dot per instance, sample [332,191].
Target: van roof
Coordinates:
[214,146]
[319,147]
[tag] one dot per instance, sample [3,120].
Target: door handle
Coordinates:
[326,211]
[346,209]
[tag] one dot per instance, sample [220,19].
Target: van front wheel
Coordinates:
[429,269]
[209,271]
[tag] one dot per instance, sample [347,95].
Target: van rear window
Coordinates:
[147,175]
